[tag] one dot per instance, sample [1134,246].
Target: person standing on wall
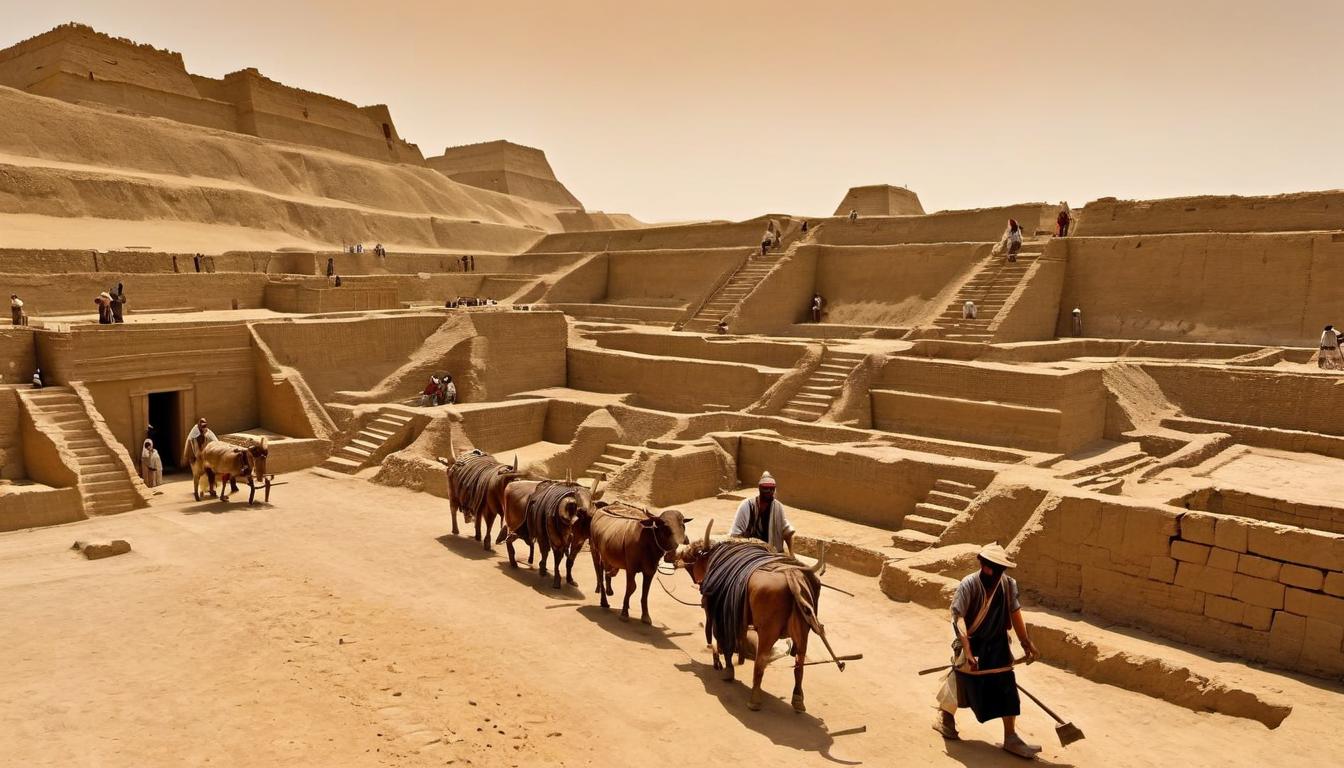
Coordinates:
[118,303]
[37,379]
[331,267]
[16,314]
[1062,221]
[804,226]
[1012,239]
[817,303]
[1077,322]
[984,607]
[104,302]
[1330,357]
[196,260]
[853,215]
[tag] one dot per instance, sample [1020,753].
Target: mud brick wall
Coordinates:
[773,354]
[288,297]
[669,384]
[11,436]
[985,225]
[1214,213]
[1302,401]
[1226,501]
[1257,590]
[495,428]
[18,354]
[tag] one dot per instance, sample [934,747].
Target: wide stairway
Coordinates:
[934,514]
[102,480]
[819,392]
[725,299]
[989,288]
[370,441]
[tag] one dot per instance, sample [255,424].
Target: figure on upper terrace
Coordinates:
[763,518]
[16,310]
[1062,221]
[104,302]
[817,303]
[853,215]
[1077,322]
[118,303]
[331,267]
[37,379]
[1012,239]
[1330,357]
[430,393]
[722,327]
[447,392]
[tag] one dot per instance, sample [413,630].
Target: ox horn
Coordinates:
[596,493]
[819,567]
[515,462]
[452,452]
[708,527]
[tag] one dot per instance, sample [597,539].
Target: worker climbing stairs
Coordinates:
[989,289]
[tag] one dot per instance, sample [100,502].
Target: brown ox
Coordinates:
[779,599]
[475,485]
[556,516]
[227,462]
[634,540]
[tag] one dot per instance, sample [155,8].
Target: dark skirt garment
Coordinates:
[991,696]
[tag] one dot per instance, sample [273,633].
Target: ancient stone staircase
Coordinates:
[1109,476]
[989,288]
[942,504]
[614,458]
[104,485]
[739,285]
[370,441]
[821,388]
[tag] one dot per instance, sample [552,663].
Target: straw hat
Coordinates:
[996,555]
[767,480]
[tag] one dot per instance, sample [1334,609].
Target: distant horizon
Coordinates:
[733,110]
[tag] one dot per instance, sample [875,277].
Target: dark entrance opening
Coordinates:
[165,416]
[387,131]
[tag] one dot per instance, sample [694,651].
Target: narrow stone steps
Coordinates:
[949,500]
[936,511]
[925,525]
[913,540]
[953,486]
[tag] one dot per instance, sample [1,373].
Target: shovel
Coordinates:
[1067,732]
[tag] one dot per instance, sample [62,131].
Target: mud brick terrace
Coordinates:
[1137,412]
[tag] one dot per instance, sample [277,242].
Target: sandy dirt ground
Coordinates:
[345,626]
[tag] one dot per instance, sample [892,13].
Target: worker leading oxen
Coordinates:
[228,462]
[635,540]
[553,515]
[476,483]
[762,517]
[743,583]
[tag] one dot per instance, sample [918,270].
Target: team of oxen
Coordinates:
[744,584]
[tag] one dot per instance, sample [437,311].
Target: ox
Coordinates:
[744,583]
[227,462]
[475,486]
[556,516]
[623,537]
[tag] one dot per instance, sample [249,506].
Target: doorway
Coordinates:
[165,415]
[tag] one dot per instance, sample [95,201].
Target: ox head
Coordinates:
[257,453]
[580,507]
[669,531]
[695,557]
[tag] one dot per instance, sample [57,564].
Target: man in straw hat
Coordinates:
[985,605]
[763,517]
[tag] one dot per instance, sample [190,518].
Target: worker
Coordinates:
[762,517]
[968,310]
[984,606]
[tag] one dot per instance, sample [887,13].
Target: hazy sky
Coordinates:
[728,109]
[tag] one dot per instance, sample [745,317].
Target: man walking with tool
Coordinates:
[985,605]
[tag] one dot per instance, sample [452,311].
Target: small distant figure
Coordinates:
[804,227]
[196,260]
[853,215]
[1077,322]
[338,281]
[430,393]
[968,310]
[447,394]
[1062,221]
[472,261]
[359,247]
[1330,357]
[767,241]
[16,313]
[104,302]
[723,327]
[37,379]
[1012,239]
[331,267]
[118,303]
[380,252]
[175,263]
[817,303]
[151,466]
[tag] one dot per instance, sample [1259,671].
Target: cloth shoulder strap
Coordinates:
[984,609]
